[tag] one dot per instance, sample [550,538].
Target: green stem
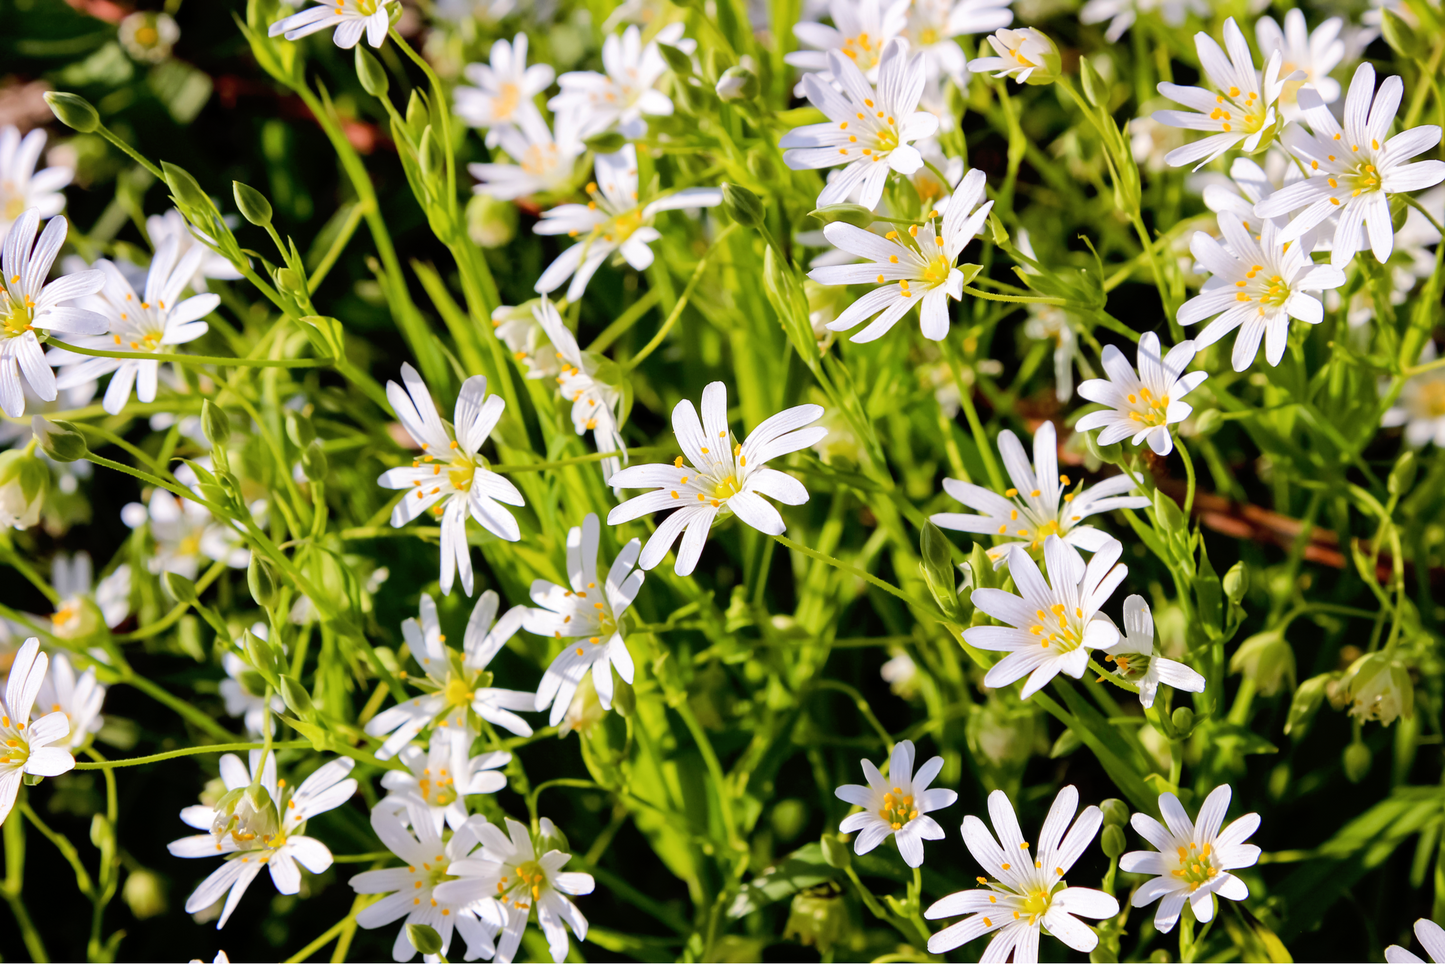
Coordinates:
[965,400]
[682,300]
[624,321]
[193,359]
[135,155]
[1189,470]
[862,706]
[868,577]
[191,751]
[1016,299]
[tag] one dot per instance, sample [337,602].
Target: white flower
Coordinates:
[1052,322]
[27,746]
[1027,55]
[411,889]
[589,610]
[1431,937]
[451,478]
[544,163]
[1145,404]
[1354,170]
[351,18]
[185,532]
[71,578]
[1257,284]
[1031,518]
[78,700]
[861,32]
[1249,184]
[897,806]
[1240,110]
[28,305]
[1121,14]
[521,330]
[1051,625]
[1025,895]
[718,477]
[1139,662]
[933,25]
[148,36]
[152,322]
[922,256]
[510,872]
[596,405]
[438,780]
[900,673]
[1421,405]
[21,186]
[626,91]
[1312,54]
[263,829]
[865,127]
[613,220]
[449,694]
[504,89]
[173,225]
[1193,861]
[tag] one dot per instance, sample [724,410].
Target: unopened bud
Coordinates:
[296,697]
[252,204]
[259,654]
[24,482]
[1267,659]
[1113,842]
[742,205]
[608,142]
[1167,514]
[299,429]
[1236,583]
[144,893]
[1402,476]
[215,423]
[313,461]
[1183,720]
[262,581]
[371,74]
[1357,760]
[179,588]
[737,83]
[424,938]
[73,111]
[60,440]
[854,214]
[289,281]
[1116,812]
[184,189]
[937,568]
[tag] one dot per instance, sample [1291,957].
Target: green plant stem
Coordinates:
[135,155]
[1018,299]
[868,577]
[193,359]
[970,413]
[625,321]
[14,834]
[1189,471]
[862,706]
[361,902]
[682,300]
[192,751]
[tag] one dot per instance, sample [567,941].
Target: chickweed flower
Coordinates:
[504,89]
[866,126]
[28,305]
[1354,169]
[1313,54]
[1051,626]
[261,825]
[1121,14]
[437,780]
[412,890]
[543,162]
[718,477]
[861,31]
[1241,109]
[451,478]
[1431,937]
[612,221]
[896,806]
[1143,404]
[150,322]
[1023,894]
[1421,405]
[38,748]
[1030,511]
[1139,662]
[1193,860]
[454,685]
[78,699]
[350,19]
[510,871]
[1257,284]
[590,614]
[627,90]
[21,186]
[922,255]
[933,26]
[1027,55]
[596,405]
[80,602]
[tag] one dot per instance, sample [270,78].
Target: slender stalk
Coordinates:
[191,751]
[682,300]
[181,359]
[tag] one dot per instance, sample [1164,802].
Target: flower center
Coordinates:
[1364,177]
[727,488]
[863,50]
[539,159]
[16,749]
[1196,866]
[1231,110]
[1057,630]
[620,227]
[457,692]
[437,792]
[14,208]
[462,470]
[1432,398]
[887,137]
[14,314]
[505,103]
[1132,666]
[363,7]
[928,36]
[1036,904]
[898,808]
[1149,410]
[523,887]
[1270,292]
[938,270]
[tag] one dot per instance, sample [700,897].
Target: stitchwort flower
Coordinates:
[896,806]
[349,18]
[1143,404]
[39,748]
[1431,937]
[1139,662]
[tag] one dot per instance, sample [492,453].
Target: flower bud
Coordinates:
[296,697]
[1267,659]
[1236,583]
[144,893]
[1183,720]
[184,189]
[854,214]
[1116,812]
[608,142]
[24,482]
[677,61]
[1167,514]
[1357,761]
[835,852]
[551,837]
[313,461]
[260,655]
[262,581]
[1112,842]
[73,111]
[742,205]
[431,154]
[290,282]
[371,74]
[1095,89]
[1402,476]
[937,569]
[59,439]
[252,204]
[299,429]
[491,223]
[424,938]
[818,918]
[737,83]
[1380,689]
[215,423]
[179,588]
